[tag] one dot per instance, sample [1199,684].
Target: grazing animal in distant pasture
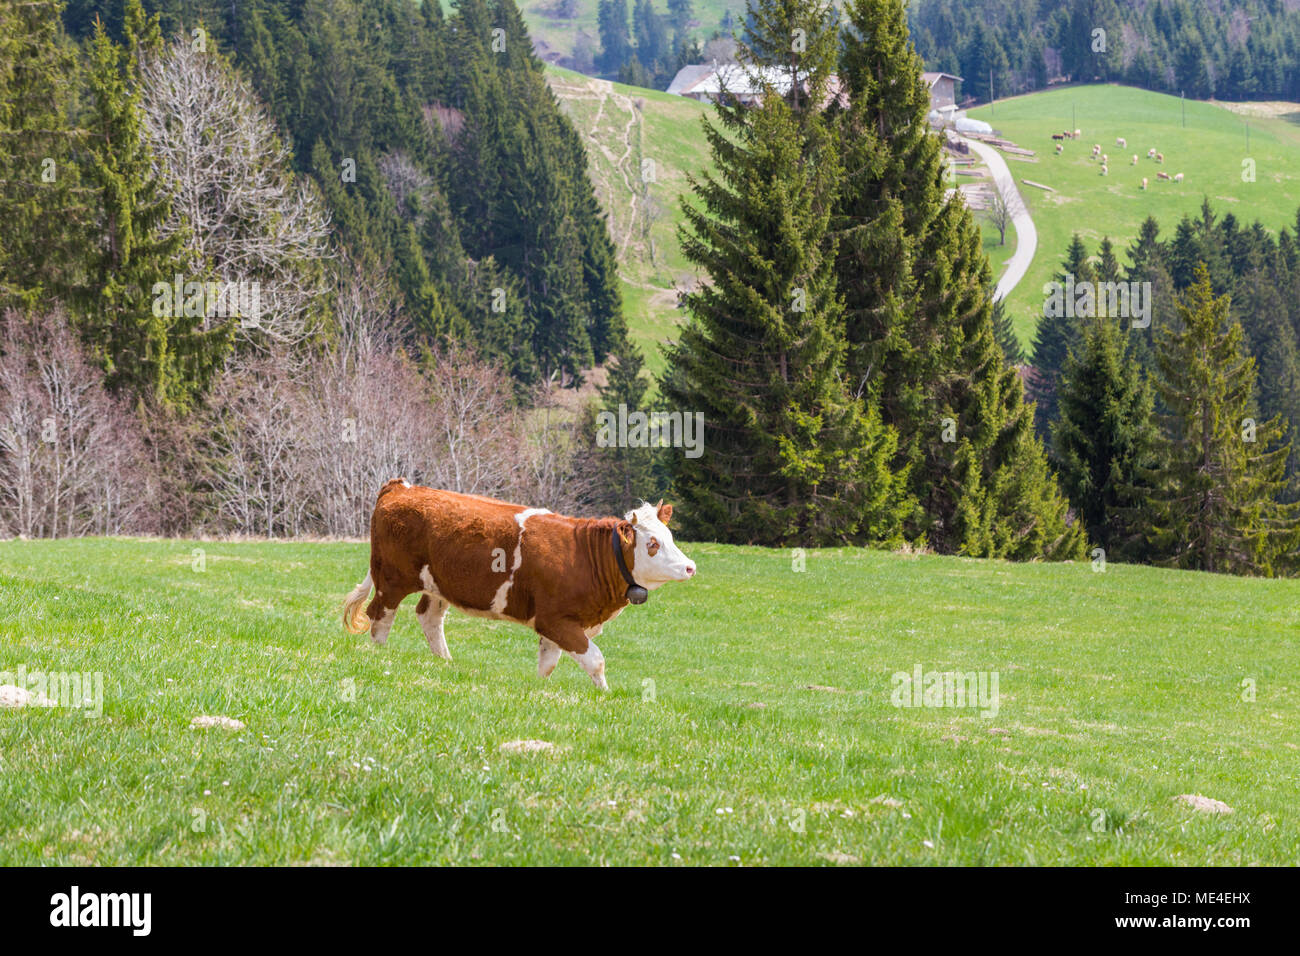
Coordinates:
[563,577]
[1162,175]
[1059,149]
[1144,182]
[1160,157]
[1151,153]
[1135,160]
[1121,142]
[1178,178]
[1058,136]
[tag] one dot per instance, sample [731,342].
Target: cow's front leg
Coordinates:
[593,662]
[548,655]
[571,638]
[432,612]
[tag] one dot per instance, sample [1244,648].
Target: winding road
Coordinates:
[1026,234]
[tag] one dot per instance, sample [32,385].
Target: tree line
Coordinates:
[437,148]
[1176,441]
[253,268]
[1235,50]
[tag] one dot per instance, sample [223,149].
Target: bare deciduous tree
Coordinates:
[244,216]
[72,461]
[1000,214]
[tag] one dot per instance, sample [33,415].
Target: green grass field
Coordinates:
[1209,151]
[750,720]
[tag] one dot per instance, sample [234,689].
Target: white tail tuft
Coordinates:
[354,618]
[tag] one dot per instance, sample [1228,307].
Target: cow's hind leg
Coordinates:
[432,611]
[381,611]
[548,655]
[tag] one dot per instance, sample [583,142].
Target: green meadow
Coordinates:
[1209,147]
[750,719]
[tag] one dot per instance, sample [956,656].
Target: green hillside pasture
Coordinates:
[629,131]
[1209,151]
[750,720]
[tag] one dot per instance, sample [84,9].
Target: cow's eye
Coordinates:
[652,546]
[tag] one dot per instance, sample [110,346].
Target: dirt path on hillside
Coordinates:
[623,163]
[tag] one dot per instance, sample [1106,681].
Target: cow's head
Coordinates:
[655,560]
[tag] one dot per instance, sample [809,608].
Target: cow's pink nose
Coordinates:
[690,570]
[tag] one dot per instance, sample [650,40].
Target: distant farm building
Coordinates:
[713,82]
[943,97]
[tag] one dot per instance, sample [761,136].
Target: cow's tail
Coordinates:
[354,615]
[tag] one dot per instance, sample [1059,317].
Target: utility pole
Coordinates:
[991,92]
[1183,100]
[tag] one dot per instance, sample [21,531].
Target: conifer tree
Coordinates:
[1060,329]
[623,474]
[1004,333]
[160,354]
[1103,441]
[37,171]
[1215,505]
[790,454]
[1148,267]
[919,314]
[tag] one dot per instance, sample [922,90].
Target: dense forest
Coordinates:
[261,258]
[1232,50]
[440,153]
[1109,393]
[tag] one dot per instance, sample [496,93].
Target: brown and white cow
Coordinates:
[563,577]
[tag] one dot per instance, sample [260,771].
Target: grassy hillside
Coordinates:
[627,129]
[767,739]
[1208,151]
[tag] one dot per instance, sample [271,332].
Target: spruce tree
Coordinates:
[160,354]
[37,173]
[790,454]
[1103,440]
[919,314]
[1059,330]
[623,475]
[1215,504]
[1004,333]
[1148,266]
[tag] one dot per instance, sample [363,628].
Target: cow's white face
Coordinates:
[657,560]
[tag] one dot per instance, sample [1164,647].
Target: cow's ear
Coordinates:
[626,533]
[665,512]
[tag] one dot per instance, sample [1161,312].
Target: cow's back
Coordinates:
[465,543]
